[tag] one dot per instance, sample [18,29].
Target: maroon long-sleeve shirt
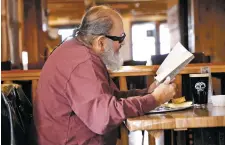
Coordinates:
[75,102]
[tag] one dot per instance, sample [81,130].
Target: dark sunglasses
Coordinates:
[116,38]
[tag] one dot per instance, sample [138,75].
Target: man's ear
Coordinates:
[100,43]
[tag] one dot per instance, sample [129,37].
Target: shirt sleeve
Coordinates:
[92,101]
[130,93]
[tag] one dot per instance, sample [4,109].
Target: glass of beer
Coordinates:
[199,89]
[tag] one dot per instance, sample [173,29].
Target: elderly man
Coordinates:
[77,103]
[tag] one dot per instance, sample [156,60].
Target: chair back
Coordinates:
[16,113]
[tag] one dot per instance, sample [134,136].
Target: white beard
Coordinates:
[112,60]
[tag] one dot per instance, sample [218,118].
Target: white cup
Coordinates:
[25,60]
[218,100]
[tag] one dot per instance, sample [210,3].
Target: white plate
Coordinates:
[164,108]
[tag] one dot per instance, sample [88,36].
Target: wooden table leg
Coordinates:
[123,83]
[150,80]
[156,137]
[34,87]
[124,135]
[178,82]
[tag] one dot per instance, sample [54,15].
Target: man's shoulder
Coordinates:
[71,54]
[80,52]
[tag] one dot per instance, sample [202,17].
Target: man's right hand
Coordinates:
[165,91]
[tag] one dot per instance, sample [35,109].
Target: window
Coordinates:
[164,39]
[65,33]
[143,41]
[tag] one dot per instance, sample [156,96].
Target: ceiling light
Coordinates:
[137,5]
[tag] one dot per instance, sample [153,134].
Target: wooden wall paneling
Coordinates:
[4,34]
[12,31]
[218,12]
[41,42]
[33,32]
[205,26]
[209,22]
[208,30]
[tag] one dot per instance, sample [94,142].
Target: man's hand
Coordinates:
[165,91]
[152,87]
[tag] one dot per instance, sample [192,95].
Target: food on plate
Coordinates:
[180,105]
[178,100]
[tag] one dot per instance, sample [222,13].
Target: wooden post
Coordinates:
[178,82]
[21,27]
[150,80]
[124,135]
[123,83]
[123,129]
[207,31]
[4,42]
[12,25]
[157,38]
[34,87]
[156,137]
[31,32]
[173,22]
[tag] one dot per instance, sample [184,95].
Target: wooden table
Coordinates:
[155,124]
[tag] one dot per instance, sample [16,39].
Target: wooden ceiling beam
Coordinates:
[128,1]
[80,7]
[70,14]
[75,17]
[135,13]
[66,8]
[65,12]
[79,12]
[65,5]
[143,5]
[65,1]
[71,11]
